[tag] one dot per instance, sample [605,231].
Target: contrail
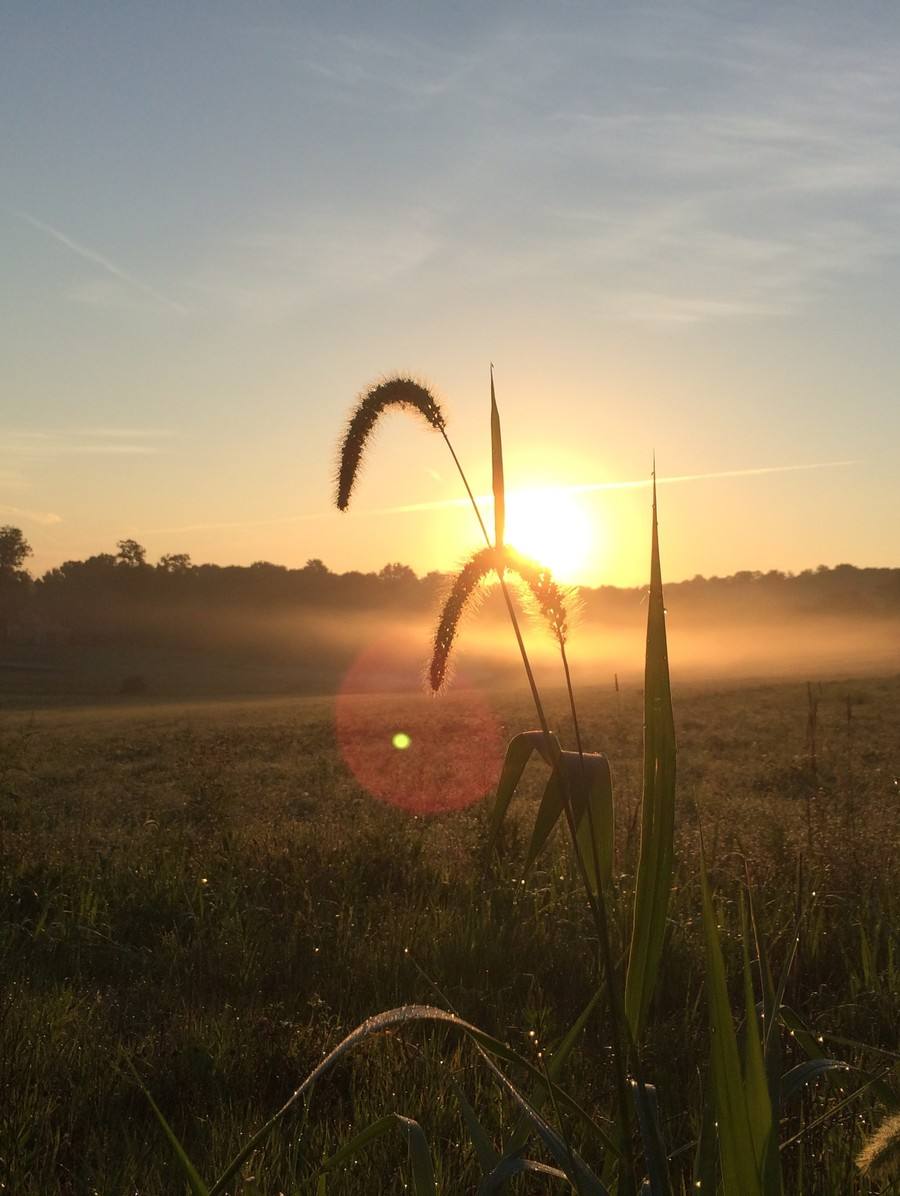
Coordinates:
[98,259]
[444,504]
[595,487]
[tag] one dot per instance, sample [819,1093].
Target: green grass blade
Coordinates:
[804,1073]
[376,1130]
[497,470]
[772,1050]
[589,782]
[417,1144]
[516,1165]
[419,1158]
[195,1183]
[756,1081]
[518,753]
[580,1175]
[740,1176]
[481,1139]
[593,786]
[705,1171]
[654,878]
[547,817]
[374,1025]
[554,1069]
[539,1080]
[402,1015]
[651,1137]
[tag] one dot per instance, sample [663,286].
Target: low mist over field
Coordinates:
[89,626]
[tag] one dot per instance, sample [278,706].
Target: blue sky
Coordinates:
[670,227]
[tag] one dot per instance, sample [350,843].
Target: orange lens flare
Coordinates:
[450,750]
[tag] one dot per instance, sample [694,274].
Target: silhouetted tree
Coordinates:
[15,583]
[14,549]
[131,553]
[175,562]
[395,572]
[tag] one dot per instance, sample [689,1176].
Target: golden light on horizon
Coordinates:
[552,526]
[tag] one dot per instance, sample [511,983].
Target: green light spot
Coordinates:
[401,741]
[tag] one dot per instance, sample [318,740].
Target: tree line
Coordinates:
[123,596]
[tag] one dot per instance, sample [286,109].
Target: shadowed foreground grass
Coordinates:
[208,888]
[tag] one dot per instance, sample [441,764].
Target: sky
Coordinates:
[672,229]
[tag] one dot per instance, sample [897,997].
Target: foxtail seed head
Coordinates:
[879,1159]
[392,392]
[549,600]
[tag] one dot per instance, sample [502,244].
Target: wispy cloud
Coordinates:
[105,263]
[317,256]
[42,518]
[25,444]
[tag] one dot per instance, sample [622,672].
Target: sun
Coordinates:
[550,525]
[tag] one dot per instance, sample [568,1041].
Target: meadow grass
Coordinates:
[736,1129]
[208,888]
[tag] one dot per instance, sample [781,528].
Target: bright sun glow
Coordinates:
[553,527]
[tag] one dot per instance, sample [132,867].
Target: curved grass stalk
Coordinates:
[405,392]
[391,392]
[548,599]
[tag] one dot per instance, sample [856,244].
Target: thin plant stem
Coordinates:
[622,1039]
[598,910]
[559,1122]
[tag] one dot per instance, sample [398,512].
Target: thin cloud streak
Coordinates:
[596,487]
[43,518]
[98,259]
[445,504]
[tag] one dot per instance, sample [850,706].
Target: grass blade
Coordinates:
[589,782]
[547,817]
[417,1144]
[756,1081]
[195,1183]
[518,753]
[554,1069]
[705,1172]
[497,470]
[376,1130]
[381,1022]
[579,1174]
[795,1079]
[515,1165]
[654,879]
[591,785]
[484,1149]
[740,1176]
[651,1136]
[419,1158]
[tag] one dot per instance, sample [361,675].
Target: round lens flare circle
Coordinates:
[552,527]
[448,755]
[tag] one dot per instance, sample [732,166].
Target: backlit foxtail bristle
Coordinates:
[465,585]
[392,392]
[879,1159]
[548,598]
[550,601]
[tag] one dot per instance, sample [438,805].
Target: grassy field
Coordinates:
[209,888]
